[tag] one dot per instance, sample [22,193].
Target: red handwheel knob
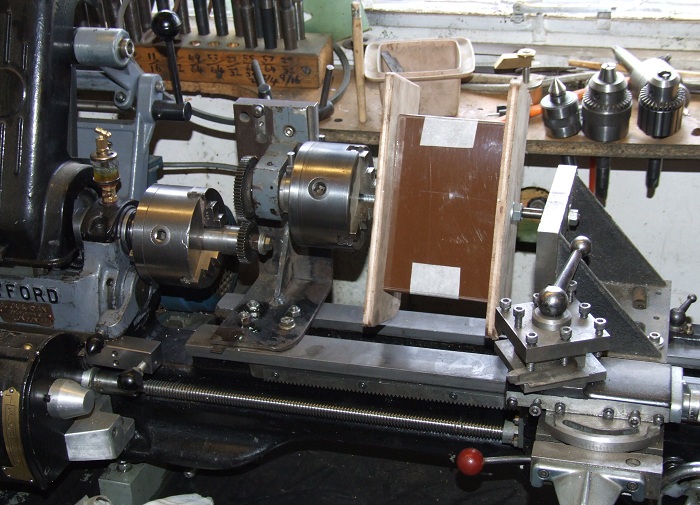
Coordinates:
[470,461]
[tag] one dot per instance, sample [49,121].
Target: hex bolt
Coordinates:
[253,306]
[542,474]
[560,408]
[608,413]
[565,333]
[584,309]
[658,419]
[634,419]
[505,304]
[244,317]
[535,408]
[518,314]
[599,324]
[258,111]
[531,338]
[287,323]
[573,218]
[511,402]
[294,311]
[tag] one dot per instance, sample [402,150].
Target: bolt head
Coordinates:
[286,323]
[584,309]
[565,333]
[294,311]
[289,131]
[511,402]
[608,413]
[120,97]
[658,419]
[505,304]
[573,218]
[543,474]
[632,486]
[634,419]
[599,324]
[258,111]
[531,338]
[253,305]
[518,311]
[559,408]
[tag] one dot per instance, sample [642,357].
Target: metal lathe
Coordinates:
[584,386]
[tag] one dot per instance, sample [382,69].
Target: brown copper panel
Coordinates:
[444,207]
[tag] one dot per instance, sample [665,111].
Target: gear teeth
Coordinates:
[244,251]
[241,210]
[325,387]
[238,210]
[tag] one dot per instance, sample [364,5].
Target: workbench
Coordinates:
[344,126]
[685,144]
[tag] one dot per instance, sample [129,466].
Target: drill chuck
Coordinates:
[607,106]
[661,105]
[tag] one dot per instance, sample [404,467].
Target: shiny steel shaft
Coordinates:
[362,415]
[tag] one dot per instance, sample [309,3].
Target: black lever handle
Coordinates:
[167,25]
[678,316]
[264,89]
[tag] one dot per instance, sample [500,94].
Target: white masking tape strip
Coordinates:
[446,132]
[435,280]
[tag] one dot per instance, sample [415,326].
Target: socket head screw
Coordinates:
[565,333]
[584,309]
[512,402]
[505,304]
[560,408]
[608,413]
[531,338]
[658,419]
[599,324]
[518,314]
[535,408]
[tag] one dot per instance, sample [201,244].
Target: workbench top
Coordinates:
[344,126]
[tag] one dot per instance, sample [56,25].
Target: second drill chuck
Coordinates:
[607,106]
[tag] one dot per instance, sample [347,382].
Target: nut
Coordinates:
[287,323]
[253,305]
[294,311]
